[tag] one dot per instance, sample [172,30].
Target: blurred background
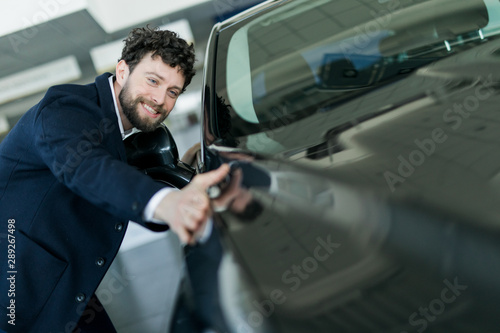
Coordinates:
[49,42]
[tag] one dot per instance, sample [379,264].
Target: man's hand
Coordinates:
[186,211]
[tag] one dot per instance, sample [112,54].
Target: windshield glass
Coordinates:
[306,57]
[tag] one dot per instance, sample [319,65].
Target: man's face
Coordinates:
[150,92]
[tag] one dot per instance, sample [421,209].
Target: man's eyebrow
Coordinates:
[156,74]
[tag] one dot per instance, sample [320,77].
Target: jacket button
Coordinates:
[135,205]
[80,298]
[100,261]
[119,227]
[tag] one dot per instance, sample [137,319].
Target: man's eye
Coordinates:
[153,81]
[173,93]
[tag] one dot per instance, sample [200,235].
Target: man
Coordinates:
[66,192]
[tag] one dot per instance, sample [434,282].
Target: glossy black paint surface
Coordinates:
[379,211]
[155,153]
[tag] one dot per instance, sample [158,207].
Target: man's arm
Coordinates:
[84,156]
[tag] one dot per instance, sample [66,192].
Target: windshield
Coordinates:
[306,57]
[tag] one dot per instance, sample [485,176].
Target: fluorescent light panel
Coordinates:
[111,15]
[116,15]
[105,56]
[39,78]
[24,14]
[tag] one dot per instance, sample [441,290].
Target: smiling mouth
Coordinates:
[150,110]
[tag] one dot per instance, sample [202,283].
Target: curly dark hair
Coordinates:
[174,51]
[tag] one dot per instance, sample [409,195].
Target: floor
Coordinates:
[140,287]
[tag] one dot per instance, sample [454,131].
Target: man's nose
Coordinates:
[159,97]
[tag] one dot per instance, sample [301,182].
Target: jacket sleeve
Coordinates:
[82,150]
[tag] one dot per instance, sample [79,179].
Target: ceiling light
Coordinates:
[39,78]
[21,16]
[105,56]
[113,16]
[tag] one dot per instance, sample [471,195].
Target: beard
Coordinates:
[130,108]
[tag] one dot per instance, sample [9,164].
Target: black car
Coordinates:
[364,138]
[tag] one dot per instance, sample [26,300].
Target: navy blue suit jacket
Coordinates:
[65,182]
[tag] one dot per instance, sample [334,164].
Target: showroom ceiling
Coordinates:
[76,33]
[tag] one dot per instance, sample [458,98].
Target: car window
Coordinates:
[306,57]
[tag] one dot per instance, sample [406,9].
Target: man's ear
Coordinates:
[122,72]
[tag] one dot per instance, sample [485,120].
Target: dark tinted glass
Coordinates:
[305,57]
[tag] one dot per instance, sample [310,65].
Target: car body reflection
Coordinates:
[368,189]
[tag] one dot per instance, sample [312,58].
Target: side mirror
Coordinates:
[155,153]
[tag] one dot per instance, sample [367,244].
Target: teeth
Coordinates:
[151,110]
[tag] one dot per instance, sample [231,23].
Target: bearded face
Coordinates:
[148,92]
[136,109]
